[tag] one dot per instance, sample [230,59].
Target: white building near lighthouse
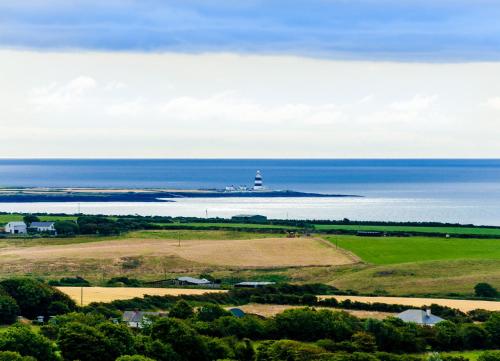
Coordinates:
[258,185]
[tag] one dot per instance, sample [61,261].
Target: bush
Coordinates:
[23,340]
[134,358]
[181,309]
[485,290]
[14,356]
[9,310]
[66,228]
[83,343]
[489,356]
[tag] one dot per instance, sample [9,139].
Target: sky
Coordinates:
[250,79]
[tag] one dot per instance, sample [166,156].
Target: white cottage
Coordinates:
[43,226]
[16,228]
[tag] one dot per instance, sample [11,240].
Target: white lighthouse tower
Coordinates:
[257,185]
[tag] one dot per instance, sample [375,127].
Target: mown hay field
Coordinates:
[463,305]
[108,294]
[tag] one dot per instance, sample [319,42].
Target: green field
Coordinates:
[6,218]
[225,225]
[444,230]
[395,250]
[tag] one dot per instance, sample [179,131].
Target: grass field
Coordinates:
[6,218]
[395,250]
[108,294]
[226,225]
[444,230]
[152,255]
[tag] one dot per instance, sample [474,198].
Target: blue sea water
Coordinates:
[466,191]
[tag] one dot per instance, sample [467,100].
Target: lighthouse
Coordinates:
[257,185]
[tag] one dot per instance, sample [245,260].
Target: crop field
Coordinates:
[423,229]
[108,294]
[267,310]
[463,305]
[395,250]
[152,255]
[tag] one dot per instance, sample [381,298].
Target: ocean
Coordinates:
[458,191]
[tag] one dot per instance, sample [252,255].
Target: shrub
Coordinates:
[9,310]
[181,309]
[23,340]
[489,356]
[485,290]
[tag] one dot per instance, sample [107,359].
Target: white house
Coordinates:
[16,228]
[420,317]
[42,226]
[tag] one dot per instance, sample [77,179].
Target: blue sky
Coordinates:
[402,30]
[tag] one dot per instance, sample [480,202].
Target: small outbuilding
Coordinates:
[191,281]
[237,312]
[16,228]
[420,317]
[251,284]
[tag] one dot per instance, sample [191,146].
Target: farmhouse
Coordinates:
[16,228]
[420,317]
[139,319]
[42,227]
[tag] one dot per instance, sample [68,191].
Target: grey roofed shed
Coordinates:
[194,281]
[41,224]
[419,316]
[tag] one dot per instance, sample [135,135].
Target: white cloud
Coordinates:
[493,103]
[172,105]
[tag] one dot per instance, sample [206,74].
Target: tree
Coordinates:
[120,339]
[134,358]
[34,297]
[211,312]
[474,336]
[364,342]
[9,310]
[184,340]
[30,218]
[181,309]
[23,340]
[14,356]
[485,290]
[66,228]
[493,328]
[82,342]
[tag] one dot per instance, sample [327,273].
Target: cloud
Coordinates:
[59,97]
[493,103]
[424,30]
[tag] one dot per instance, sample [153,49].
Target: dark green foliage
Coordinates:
[119,337]
[9,310]
[364,342]
[287,350]
[489,356]
[129,282]
[155,349]
[66,228]
[211,312]
[244,351]
[34,297]
[30,218]
[184,340]
[485,290]
[473,336]
[446,336]
[181,309]
[493,328]
[134,358]
[23,340]
[84,343]
[14,356]
[70,281]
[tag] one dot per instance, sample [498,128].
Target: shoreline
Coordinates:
[39,195]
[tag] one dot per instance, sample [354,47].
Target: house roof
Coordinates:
[237,312]
[137,316]
[41,224]
[419,316]
[197,281]
[250,283]
[16,224]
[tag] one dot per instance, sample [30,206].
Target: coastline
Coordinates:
[37,195]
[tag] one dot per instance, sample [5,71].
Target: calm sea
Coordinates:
[466,191]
